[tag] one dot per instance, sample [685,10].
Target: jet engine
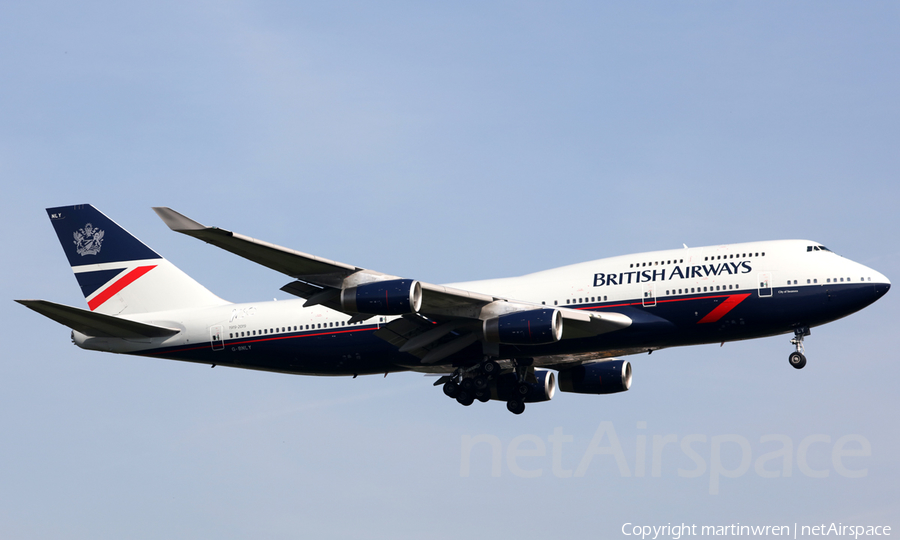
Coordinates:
[392,297]
[532,327]
[505,387]
[605,377]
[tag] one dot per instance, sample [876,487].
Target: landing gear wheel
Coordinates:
[797,360]
[480,382]
[464,398]
[483,395]
[522,389]
[468,385]
[491,368]
[515,406]
[451,389]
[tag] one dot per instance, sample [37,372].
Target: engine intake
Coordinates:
[606,377]
[393,297]
[533,327]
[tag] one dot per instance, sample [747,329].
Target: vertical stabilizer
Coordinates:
[118,274]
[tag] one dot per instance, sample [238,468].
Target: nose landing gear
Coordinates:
[797,358]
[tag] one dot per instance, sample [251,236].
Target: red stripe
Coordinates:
[235,341]
[658,301]
[118,285]
[730,303]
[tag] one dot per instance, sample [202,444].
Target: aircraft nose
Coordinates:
[882,284]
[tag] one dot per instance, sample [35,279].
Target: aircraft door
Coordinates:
[765,284]
[649,296]
[216,337]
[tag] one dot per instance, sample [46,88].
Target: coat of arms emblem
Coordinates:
[88,240]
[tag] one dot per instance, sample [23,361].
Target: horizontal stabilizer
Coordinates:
[96,324]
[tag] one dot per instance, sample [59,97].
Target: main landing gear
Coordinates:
[467,385]
[797,358]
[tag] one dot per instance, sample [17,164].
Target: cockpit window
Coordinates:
[818,248]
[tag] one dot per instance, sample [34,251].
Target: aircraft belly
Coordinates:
[342,352]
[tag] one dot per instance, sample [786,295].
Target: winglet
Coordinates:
[177,222]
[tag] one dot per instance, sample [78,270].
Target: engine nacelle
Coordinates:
[607,377]
[532,327]
[393,297]
[503,388]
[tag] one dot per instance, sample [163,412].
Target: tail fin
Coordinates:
[118,273]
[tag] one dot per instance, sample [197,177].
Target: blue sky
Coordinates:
[444,143]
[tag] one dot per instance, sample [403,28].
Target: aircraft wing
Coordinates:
[446,321]
[320,280]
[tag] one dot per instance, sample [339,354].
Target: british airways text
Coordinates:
[686,272]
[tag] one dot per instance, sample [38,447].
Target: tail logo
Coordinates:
[88,240]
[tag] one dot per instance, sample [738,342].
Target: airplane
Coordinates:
[498,339]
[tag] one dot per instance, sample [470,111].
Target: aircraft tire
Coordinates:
[491,368]
[451,389]
[797,360]
[515,406]
[464,398]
